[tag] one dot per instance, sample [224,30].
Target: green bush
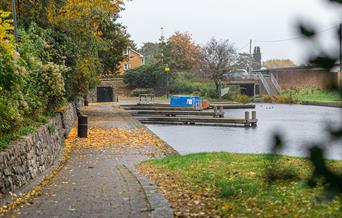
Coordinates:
[137,92]
[29,85]
[209,91]
[234,92]
[146,76]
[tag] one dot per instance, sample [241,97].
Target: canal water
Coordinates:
[299,125]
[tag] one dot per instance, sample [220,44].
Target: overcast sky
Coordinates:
[236,20]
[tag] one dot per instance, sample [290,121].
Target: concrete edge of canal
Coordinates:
[159,205]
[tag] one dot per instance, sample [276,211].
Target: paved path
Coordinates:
[101,182]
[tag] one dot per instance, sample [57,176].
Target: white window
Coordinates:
[126,66]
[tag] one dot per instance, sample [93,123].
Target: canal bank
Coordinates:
[239,185]
[299,124]
[205,182]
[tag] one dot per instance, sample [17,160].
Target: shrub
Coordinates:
[244,99]
[145,76]
[137,92]
[28,85]
[267,99]
[209,91]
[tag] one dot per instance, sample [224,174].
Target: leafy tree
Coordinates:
[278,63]
[93,38]
[147,76]
[63,47]
[245,62]
[183,53]
[151,51]
[116,42]
[218,58]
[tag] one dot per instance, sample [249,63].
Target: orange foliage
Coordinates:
[118,137]
[184,51]
[85,14]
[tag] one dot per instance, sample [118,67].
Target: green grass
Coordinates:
[7,138]
[235,185]
[308,94]
[27,129]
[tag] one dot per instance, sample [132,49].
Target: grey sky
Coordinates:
[236,20]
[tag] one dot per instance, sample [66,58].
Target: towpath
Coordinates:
[99,179]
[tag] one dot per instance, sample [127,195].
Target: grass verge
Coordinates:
[234,185]
[27,129]
[306,95]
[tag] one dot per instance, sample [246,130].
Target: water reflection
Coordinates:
[299,125]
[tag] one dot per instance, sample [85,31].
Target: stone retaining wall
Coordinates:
[31,155]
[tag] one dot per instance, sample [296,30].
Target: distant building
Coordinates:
[133,59]
[273,81]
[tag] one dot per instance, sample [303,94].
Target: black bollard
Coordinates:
[83,126]
[86,103]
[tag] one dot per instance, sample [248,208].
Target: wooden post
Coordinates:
[247,115]
[247,118]
[221,112]
[254,115]
[215,110]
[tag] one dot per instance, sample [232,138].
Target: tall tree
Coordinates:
[150,50]
[183,52]
[245,62]
[218,58]
[90,29]
[116,42]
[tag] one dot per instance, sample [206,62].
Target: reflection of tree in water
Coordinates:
[322,174]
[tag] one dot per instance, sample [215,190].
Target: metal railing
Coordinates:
[275,83]
[265,83]
[245,76]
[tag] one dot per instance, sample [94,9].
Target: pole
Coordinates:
[167,85]
[14,14]
[250,46]
[340,47]
[162,38]
[340,74]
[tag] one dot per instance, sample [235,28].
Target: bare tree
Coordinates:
[218,58]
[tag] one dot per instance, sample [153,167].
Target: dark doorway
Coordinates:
[247,89]
[104,94]
[257,90]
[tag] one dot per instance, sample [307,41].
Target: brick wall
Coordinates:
[304,77]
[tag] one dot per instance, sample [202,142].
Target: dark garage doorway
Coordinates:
[104,94]
[247,89]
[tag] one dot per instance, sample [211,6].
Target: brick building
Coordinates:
[110,89]
[133,59]
[272,81]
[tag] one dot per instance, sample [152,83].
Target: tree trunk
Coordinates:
[218,85]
